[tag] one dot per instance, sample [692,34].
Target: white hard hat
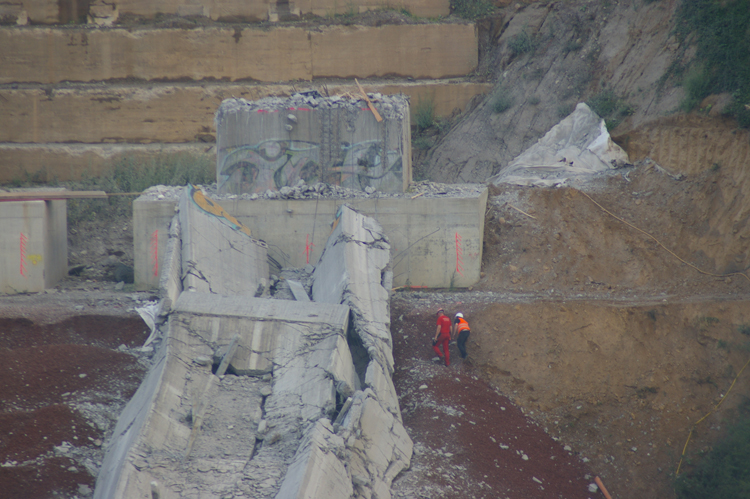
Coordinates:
[460,315]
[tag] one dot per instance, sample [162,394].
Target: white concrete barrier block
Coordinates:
[34,245]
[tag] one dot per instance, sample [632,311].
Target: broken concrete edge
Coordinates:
[359,242]
[127,432]
[219,254]
[170,282]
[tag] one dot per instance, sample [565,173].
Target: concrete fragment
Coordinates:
[298,290]
[218,253]
[574,149]
[317,471]
[359,244]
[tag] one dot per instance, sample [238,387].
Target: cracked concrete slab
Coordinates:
[265,429]
[214,259]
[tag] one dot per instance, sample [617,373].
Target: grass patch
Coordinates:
[611,107]
[724,472]
[131,175]
[424,113]
[422,143]
[720,31]
[501,101]
[472,9]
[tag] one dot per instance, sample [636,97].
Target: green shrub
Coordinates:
[521,43]
[422,143]
[723,51]
[534,100]
[472,9]
[424,113]
[724,472]
[610,107]
[501,101]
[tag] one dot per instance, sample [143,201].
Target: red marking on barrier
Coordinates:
[261,111]
[459,255]
[308,248]
[303,109]
[22,250]
[155,252]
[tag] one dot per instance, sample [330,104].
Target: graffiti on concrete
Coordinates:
[213,208]
[272,164]
[275,163]
[364,166]
[34,259]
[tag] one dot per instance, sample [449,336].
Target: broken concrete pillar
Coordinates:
[219,255]
[276,143]
[352,270]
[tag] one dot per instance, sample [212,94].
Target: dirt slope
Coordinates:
[548,56]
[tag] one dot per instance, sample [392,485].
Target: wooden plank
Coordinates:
[369,104]
[51,195]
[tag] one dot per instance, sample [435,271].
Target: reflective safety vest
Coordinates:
[462,325]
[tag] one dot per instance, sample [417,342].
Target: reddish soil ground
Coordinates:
[471,441]
[48,372]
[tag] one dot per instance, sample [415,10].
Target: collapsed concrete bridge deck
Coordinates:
[310,411]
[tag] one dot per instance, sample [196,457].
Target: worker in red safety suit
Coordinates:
[460,329]
[442,336]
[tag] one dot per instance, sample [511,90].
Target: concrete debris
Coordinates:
[306,408]
[322,190]
[574,150]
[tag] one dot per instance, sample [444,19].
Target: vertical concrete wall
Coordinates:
[108,11]
[435,241]
[53,55]
[151,222]
[34,245]
[274,143]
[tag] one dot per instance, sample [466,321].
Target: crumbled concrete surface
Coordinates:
[313,411]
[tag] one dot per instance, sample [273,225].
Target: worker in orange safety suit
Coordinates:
[460,329]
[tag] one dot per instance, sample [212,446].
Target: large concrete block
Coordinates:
[316,471]
[34,246]
[53,55]
[151,225]
[274,143]
[419,50]
[174,113]
[435,241]
[350,271]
